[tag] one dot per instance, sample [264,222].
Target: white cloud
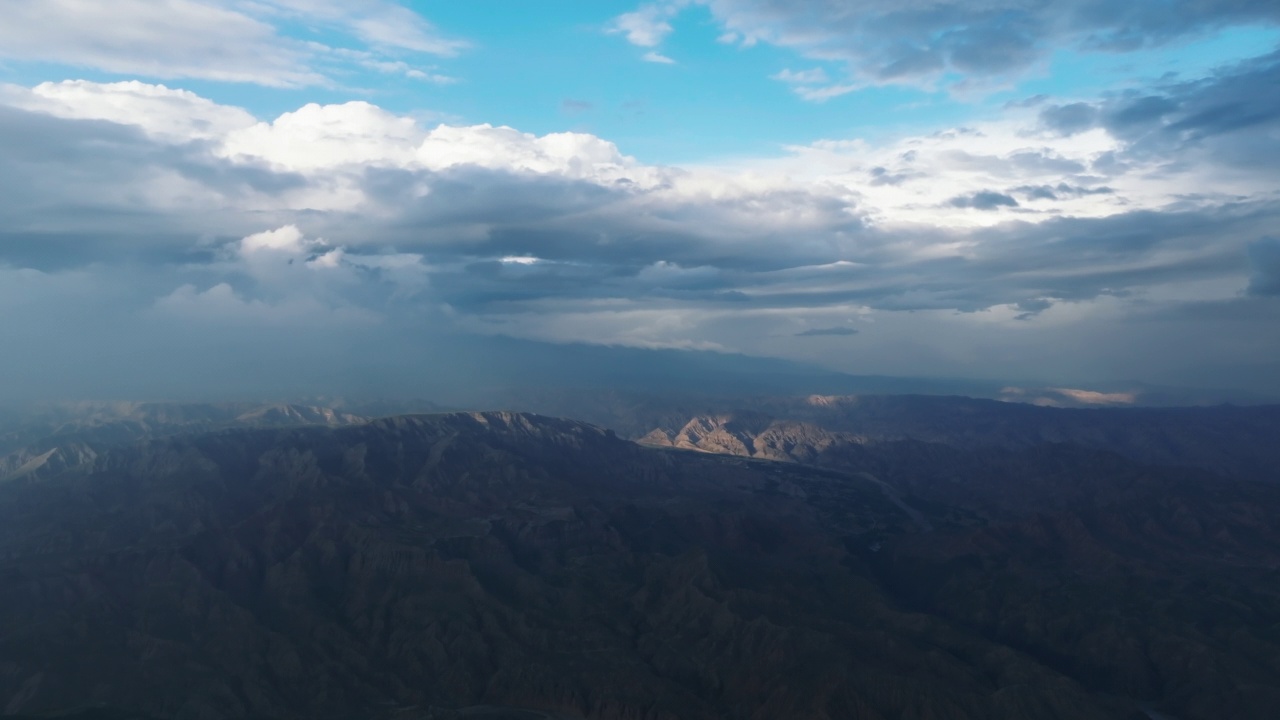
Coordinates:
[575,155]
[286,240]
[434,78]
[379,22]
[329,136]
[169,114]
[812,76]
[288,278]
[399,67]
[218,40]
[657,57]
[646,27]
[173,39]
[913,179]
[826,92]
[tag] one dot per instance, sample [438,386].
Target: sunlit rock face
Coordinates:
[432,566]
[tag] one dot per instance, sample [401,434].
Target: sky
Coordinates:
[1078,192]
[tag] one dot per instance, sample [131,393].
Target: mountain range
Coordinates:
[814,556]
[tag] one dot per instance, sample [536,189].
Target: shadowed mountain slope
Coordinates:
[502,559]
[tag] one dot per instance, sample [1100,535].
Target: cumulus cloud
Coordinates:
[169,114]
[647,27]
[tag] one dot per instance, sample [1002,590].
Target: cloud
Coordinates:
[1069,119]
[983,200]
[831,331]
[1092,397]
[170,114]
[183,38]
[1061,190]
[381,23]
[163,205]
[280,276]
[919,43]
[327,136]
[657,57]
[1264,259]
[400,67]
[812,76]
[213,39]
[646,27]
[1028,309]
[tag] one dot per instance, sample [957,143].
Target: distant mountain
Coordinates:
[61,436]
[475,371]
[468,564]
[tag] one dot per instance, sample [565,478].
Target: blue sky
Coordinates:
[555,66]
[1059,191]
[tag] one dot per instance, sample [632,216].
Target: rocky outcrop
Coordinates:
[1231,441]
[753,435]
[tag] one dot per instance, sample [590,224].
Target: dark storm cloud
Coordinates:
[74,192]
[983,200]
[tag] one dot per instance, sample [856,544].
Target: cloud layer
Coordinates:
[1086,240]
